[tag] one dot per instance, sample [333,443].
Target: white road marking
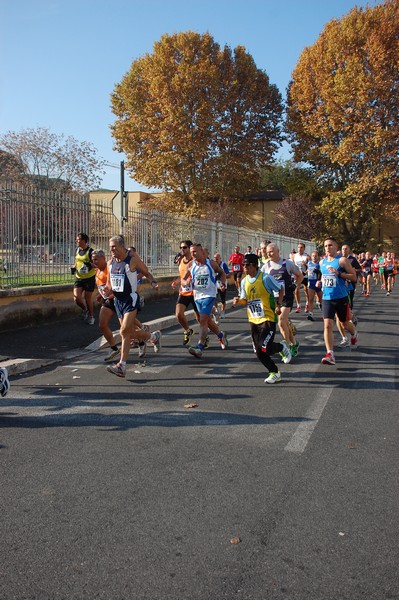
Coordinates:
[299,440]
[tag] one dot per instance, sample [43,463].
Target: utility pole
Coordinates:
[123,215]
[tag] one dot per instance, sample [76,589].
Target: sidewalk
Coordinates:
[23,350]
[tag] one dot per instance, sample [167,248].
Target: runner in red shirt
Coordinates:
[235,262]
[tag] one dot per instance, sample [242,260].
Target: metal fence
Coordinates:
[38,230]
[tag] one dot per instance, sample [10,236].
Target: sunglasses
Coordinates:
[183,247]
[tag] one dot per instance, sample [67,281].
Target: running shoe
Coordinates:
[91,320]
[294,348]
[155,340]
[388,294]
[354,341]
[285,353]
[206,344]
[273,378]
[112,354]
[118,370]
[187,336]
[223,340]
[298,309]
[4,382]
[328,359]
[310,317]
[344,343]
[145,327]
[306,307]
[195,351]
[142,349]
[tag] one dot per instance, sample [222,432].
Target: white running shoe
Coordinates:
[273,378]
[195,351]
[285,353]
[223,341]
[155,340]
[4,382]
[118,370]
[91,320]
[344,343]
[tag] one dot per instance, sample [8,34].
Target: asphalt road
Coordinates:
[117,489]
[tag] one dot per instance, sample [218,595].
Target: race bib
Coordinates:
[329,281]
[117,281]
[236,267]
[367,269]
[312,273]
[255,308]
[202,282]
[83,270]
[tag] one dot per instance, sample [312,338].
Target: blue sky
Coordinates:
[62,58]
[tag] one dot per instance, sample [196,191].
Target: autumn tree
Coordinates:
[343,116]
[196,120]
[49,160]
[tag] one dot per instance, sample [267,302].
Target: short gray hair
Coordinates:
[98,253]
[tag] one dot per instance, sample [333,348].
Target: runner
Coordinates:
[201,274]
[84,272]
[258,290]
[186,294]
[284,271]
[263,257]
[235,262]
[351,287]
[301,260]
[381,267]
[106,299]
[314,275]
[336,271]
[366,265]
[122,280]
[389,272]
[221,293]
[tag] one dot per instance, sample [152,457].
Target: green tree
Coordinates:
[196,121]
[343,115]
[49,160]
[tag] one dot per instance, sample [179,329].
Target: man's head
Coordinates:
[301,248]
[263,249]
[99,260]
[315,256]
[217,258]
[82,240]
[345,250]
[273,252]
[236,249]
[185,247]
[197,252]
[330,246]
[117,246]
[251,264]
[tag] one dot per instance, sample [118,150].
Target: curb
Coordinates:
[18,366]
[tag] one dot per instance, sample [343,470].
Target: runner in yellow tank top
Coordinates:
[257,294]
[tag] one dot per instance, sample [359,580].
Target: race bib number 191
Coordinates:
[117,281]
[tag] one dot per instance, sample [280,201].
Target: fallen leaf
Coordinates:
[190,405]
[76,377]
[235,540]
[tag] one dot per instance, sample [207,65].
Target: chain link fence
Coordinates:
[38,229]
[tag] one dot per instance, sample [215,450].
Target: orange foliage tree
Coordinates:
[196,121]
[343,116]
